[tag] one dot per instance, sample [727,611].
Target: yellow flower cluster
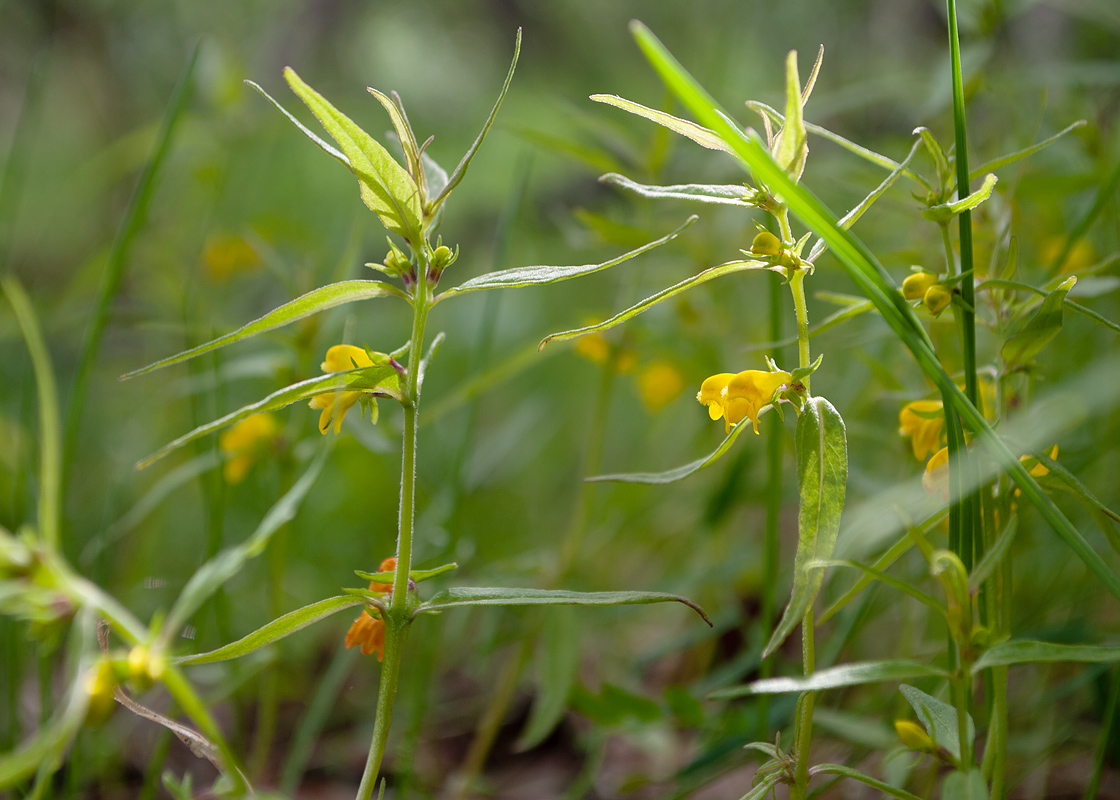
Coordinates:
[334,406]
[743,395]
[924,286]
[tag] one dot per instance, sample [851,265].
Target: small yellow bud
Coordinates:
[916,285]
[441,257]
[99,686]
[937,299]
[766,244]
[913,736]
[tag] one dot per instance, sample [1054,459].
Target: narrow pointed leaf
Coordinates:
[404,133]
[383,380]
[1029,652]
[697,133]
[946,211]
[680,473]
[1011,158]
[461,168]
[326,147]
[558,666]
[716,194]
[416,575]
[1039,330]
[474,596]
[855,774]
[939,719]
[275,630]
[541,276]
[652,300]
[386,188]
[822,473]
[836,678]
[882,577]
[937,153]
[1089,314]
[994,556]
[313,302]
[791,147]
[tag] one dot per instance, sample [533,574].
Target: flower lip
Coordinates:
[742,395]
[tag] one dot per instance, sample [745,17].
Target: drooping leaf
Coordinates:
[378,379]
[1031,652]
[558,668]
[1039,330]
[334,294]
[461,169]
[386,187]
[939,719]
[697,133]
[822,474]
[275,630]
[651,301]
[946,211]
[541,276]
[475,596]
[791,146]
[219,569]
[717,194]
[855,774]
[680,473]
[836,677]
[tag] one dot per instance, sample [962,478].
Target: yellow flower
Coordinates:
[1036,468]
[660,383]
[368,630]
[595,347]
[245,442]
[340,358]
[922,421]
[738,396]
[937,299]
[916,285]
[936,477]
[912,735]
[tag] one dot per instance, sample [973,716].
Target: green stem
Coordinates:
[386,693]
[797,287]
[804,734]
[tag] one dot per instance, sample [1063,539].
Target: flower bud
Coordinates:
[937,299]
[916,285]
[100,685]
[913,736]
[766,244]
[442,257]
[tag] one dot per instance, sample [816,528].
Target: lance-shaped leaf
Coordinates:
[939,719]
[855,774]
[882,577]
[652,300]
[473,596]
[334,294]
[1000,283]
[1011,158]
[946,211]
[791,147]
[275,630]
[994,556]
[716,194]
[836,678]
[680,473]
[461,169]
[379,380]
[405,136]
[1030,652]
[822,473]
[386,188]
[1039,330]
[327,148]
[541,276]
[697,133]
[416,575]
[219,569]
[937,154]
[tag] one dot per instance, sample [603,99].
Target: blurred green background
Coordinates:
[247,214]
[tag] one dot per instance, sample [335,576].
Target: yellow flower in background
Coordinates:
[936,477]
[595,348]
[245,443]
[913,735]
[659,384]
[368,630]
[742,395]
[1081,255]
[922,421]
[339,358]
[224,256]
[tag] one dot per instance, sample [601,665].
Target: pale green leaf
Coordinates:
[558,668]
[822,473]
[680,473]
[946,211]
[275,630]
[964,786]
[404,135]
[541,276]
[1030,652]
[855,774]
[791,146]
[836,677]
[334,294]
[939,719]
[697,133]
[474,596]
[717,194]
[326,147]
[1039,330]
[652,300]
[937,153]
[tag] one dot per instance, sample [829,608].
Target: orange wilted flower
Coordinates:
[368,630]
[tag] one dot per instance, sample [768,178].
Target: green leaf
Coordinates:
[275,630]
[800,373]
[386,188]
[998,283]
[1011,158]
[874,281]
[219,569]
[939,719]
[717,194]
[1062,478]
[937,153]
[855,774]
[558,666]
[982,571]
[651,301]
[377,379]
[327,148]
[1039,330]
[822,472]
[416,575]
[404,135]
[461,169]
[882,577]
[697,133]
[759,792]
[474,596]
[791,147]
[946,211]
[541,276]
[964,786]
[680,473]
[835,678]
[334,294]
[1030,652]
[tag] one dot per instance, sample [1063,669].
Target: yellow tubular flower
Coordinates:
[740,396]
[245,443]
[339,358]
[922,421]
[936,477]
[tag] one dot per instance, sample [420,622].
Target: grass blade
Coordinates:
[680,473]
[474,596]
